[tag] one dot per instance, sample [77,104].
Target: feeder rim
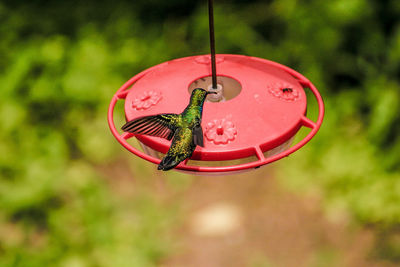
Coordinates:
[262,160]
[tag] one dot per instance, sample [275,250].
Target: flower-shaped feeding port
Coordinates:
[146,100]
[220,132]
[283,91]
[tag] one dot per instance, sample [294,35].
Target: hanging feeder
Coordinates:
[264,107]
[259,107]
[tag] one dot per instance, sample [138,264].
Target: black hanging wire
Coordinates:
[212,43]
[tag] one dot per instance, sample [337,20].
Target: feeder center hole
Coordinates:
[231,87]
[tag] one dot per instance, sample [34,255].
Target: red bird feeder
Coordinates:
[263,107]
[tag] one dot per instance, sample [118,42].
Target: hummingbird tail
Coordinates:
[168,163]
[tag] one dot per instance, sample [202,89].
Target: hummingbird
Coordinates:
[183,129]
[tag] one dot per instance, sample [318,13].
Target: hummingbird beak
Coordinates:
[211,92]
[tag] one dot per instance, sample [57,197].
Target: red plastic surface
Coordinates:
[269,110]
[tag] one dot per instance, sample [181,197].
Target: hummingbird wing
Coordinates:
[198,135]
[161,125]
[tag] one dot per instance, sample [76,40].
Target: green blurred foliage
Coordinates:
[60,63]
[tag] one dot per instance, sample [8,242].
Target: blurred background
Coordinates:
[70,195]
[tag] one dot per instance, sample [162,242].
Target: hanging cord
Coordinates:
[212,43]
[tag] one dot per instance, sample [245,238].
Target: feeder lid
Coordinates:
[267,112]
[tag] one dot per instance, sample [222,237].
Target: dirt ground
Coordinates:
[251,220]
